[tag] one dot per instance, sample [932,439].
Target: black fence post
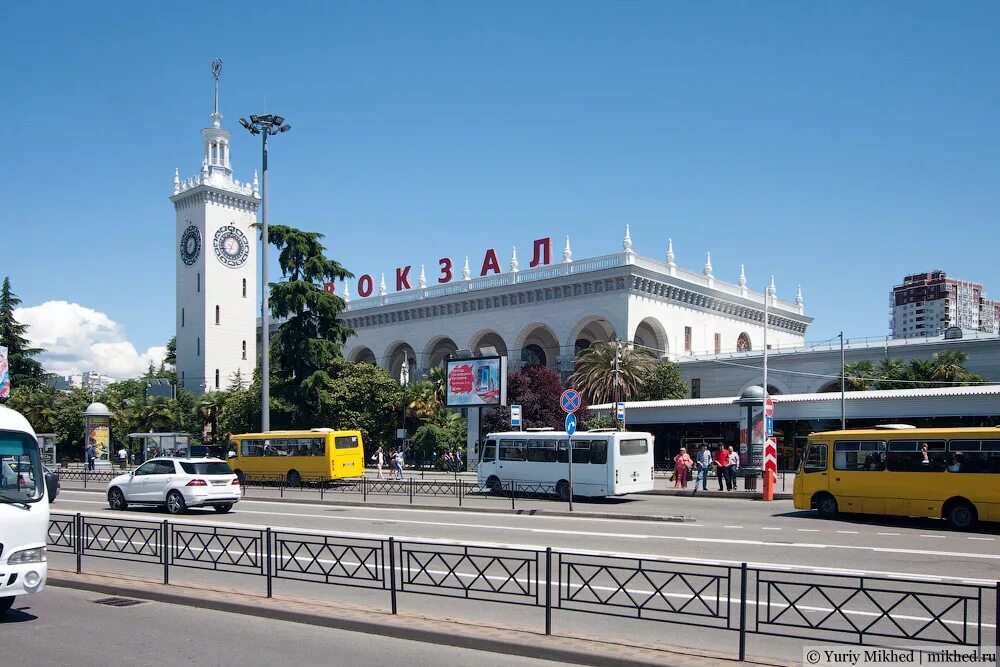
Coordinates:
[548,590]
[267,554]
[743,611]
[281,488]
[322,485]
[364,489]
[392,573]
[86,472]
[460,485]
[411,490]
[78,528]
[512,495]
[165,545]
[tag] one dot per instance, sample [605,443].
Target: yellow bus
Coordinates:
[320,454]
[944,473]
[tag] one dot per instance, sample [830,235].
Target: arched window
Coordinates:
[244,288]
[743,343]
[244,349]
[216,378]
[216,314]
[580,345]
[533,355]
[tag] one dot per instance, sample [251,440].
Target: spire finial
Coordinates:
[381,286]
[513,260]
[177,181]
[256,185]
[743,277]
[771,289]
[627,241]
[798,297]
[670,252]
[216,73]
[347,292]
[567,253]
[423,278]
[708,264]
[466,273]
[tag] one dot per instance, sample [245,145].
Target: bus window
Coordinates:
[542,451]
[318,447]
[974,456]
[581,451]
[345,442]
[907,456]
[599,452]
[251,448]
[633,447]
[815,460]
[859,455]
[490,451]
[512,450]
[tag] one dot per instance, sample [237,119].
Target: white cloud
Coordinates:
[77,339]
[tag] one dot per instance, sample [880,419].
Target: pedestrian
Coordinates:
[91,455]
[399,463]
[122,458]
[682,466]
[458,460]
[703,462]
[722,467]
[734,465]
[379,458]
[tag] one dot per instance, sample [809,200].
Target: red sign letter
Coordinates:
[445,270]
[402,278]
[365,285]
[542,247]
[490,263]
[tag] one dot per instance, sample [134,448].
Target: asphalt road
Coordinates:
[65,627]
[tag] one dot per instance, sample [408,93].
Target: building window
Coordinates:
[244,288]
[216,378]
[718,343]
[695,387]
[216,314]
[687,339]
[182,378]
[199,281]
[244,349]
[743,343]
[198,353]
[182,317]
[533,355]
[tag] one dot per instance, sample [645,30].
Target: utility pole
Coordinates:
[843,385]
[618,358]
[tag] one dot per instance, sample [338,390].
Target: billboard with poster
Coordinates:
[481,381]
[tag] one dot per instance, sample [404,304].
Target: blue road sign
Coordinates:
[620,412]
[570,400]
[515,415]
[570,424]
[769,425]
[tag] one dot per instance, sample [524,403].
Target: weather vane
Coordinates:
[217,68]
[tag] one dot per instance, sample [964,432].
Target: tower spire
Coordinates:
[216,73]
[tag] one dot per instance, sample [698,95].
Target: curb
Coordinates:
[441,631]
[744,495]
[678,518]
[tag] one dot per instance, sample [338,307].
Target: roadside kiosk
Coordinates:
[152,445]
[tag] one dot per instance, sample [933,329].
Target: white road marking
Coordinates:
[896,534]
[732,526]
[769,528]
[808,530]
[936,537]
[848,532]
[985,539]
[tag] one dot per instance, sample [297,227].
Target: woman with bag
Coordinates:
[682,465]
[379,458]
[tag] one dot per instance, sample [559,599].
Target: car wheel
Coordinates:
[222,509]
[116,499]
[5,604]
[961,515]
[175,503]
[562,490]
[826,506]
[293,478]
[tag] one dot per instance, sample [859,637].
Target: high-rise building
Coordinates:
[927,304]
[216,260]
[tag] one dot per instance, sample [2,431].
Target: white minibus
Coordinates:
[605,462]
[24,511]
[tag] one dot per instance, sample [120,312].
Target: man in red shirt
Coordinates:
[721,467]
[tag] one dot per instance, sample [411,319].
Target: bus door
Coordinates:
[347,458]
[632,461]
[858,477]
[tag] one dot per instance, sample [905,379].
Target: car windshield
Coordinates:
[207,468]
[21,479]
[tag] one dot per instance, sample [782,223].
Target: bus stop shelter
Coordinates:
[152,445]
[47,443]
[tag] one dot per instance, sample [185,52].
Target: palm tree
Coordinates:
[209,408]
[596,377]
[891,372]
[424,404]
[950,367]
[859,376]
[158,415]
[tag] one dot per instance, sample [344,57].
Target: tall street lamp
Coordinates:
[265,126]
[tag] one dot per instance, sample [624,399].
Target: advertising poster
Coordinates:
[100,437]
[4,374]
[477,382]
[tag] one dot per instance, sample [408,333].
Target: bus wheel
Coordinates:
[961,515]
[293,478]
[562,490]
[494,485]
[5,604]
[826,505]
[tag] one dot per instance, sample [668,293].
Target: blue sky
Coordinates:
[837,145]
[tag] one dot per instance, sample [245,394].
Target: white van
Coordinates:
[24,511]
[605,462]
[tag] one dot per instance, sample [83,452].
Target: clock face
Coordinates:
[231,246]
[190,245]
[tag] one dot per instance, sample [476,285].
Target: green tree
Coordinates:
[38,404]
[893,374]
[208,408]
[662,383]
[859,376]
[536,389]
[597,378]
[310,337]
[24,369]
[171,357]
[950,367]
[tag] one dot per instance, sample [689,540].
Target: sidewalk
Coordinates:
[437,630]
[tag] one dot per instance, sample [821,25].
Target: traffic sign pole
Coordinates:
[570,430]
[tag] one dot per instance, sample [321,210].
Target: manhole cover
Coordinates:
[118,602]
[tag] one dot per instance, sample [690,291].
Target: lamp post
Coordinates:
[267,125]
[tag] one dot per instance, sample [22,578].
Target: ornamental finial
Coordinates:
[627,241]
[381,286]
[466,273]
[670,252]
[567,253]
[743,277]
[513,260]
[423,278]
[708,264]
[216,73]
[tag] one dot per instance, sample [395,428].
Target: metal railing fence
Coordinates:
[745,600]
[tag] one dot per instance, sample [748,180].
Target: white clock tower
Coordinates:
[216,248]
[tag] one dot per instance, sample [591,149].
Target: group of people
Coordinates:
[395,460]
[725,461]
